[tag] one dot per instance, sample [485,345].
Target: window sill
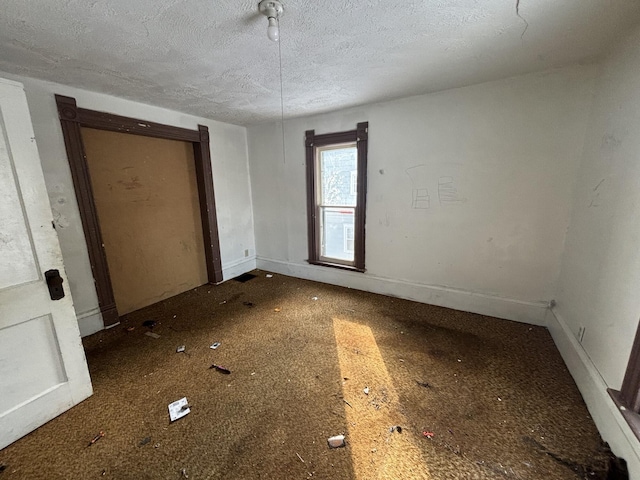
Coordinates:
[632,418]
[337,265]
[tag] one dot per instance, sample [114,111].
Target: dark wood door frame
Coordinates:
[628,398]
[72,119]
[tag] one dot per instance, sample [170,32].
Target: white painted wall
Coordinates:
[600,275]
[512,148]
[230,178]
[600,280]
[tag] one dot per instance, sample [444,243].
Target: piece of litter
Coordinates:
[300,457]
[253,373]
[366,390]
[336,441]
[499,399]
[222,302]
[314,298]
[149,323]
[184,473]
[220,369]
[174,316]
[103,473]
[144,441]
[459,360]
[181,349]
[151,334]
[176,409]
[277,309]
[96,438]
[396,428]
[130,329]
[268,275]
[157,445]
[428,434]
[215,345]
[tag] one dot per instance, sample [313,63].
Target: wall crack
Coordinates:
[526,24]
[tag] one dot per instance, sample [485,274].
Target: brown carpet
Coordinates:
[475,397]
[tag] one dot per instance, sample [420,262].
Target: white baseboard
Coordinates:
[233,269]
[90,322]
[610,422]
[509,309]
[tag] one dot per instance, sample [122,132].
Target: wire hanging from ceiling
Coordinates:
[273,9]
[284,152]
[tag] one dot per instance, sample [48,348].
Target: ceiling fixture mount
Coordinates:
[272,9]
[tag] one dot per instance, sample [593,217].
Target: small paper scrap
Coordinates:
[215,345]
[151,334]
[177,409]
[181,349]
[269,275]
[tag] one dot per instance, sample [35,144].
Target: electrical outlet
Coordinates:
[246,252]
[581,333]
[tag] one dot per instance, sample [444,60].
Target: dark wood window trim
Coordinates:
[360,136]
[72,119]
[628,398]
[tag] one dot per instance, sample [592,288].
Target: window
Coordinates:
[336,194]
[353,182]
[349,239]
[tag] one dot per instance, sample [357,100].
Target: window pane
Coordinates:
[338,184]
[336,230]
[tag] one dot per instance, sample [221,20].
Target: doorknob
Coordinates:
[54,282]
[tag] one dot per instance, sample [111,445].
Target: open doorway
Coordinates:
[88,132]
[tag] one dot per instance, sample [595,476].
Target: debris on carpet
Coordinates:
[220,369]
[179,409]
[336,441]
[96,438]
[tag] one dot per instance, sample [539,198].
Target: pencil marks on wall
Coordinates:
[447,191]
[423,182]
[595,194]
[420,198]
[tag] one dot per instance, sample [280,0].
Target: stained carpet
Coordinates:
[474,397]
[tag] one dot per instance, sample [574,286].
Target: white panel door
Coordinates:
[43,370]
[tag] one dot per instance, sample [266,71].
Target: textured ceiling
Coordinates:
[212,58]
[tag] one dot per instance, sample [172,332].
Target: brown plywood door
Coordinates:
[146,199]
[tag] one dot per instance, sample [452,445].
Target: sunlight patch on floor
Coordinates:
[376,452]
